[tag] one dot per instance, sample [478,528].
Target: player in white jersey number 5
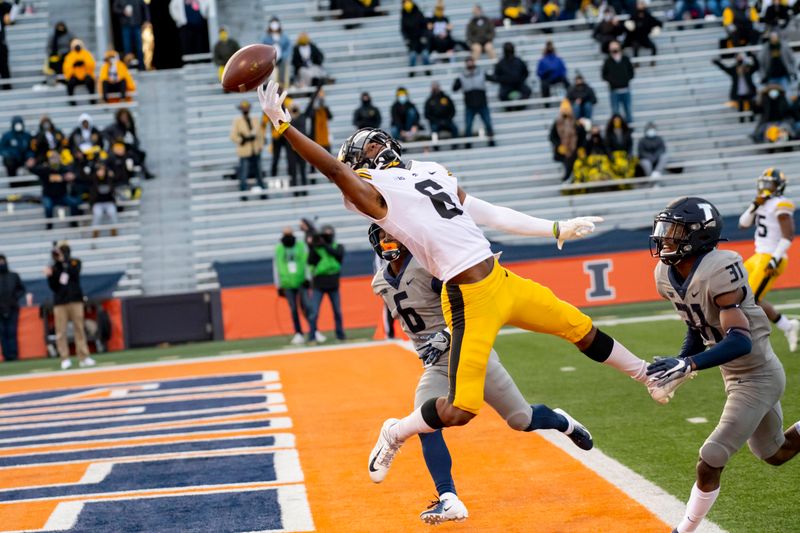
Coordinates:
[422,206]
[773,214]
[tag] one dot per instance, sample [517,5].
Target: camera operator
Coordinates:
[11,290]
[325,260]
[64,278]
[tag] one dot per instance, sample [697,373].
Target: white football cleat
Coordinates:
[87,362]
[319,337]
[66,364]
[382,455]
[447,508]
[298,339]
[664,393]
[793,334]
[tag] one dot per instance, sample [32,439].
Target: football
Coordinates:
[248,68]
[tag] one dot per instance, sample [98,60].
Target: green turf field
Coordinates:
[655,440]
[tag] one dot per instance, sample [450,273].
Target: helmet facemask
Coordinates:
[669,240]
[353,152]
[388,250]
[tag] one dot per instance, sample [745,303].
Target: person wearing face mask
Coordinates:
[743,89]
[619,140]
[11,292]
[652,151]
[131,14]
[607,30]
[224,49]
[247,135]
[739,19]
[582,97]
[515,12]
[639,28]
[8,14]
[307,61]
[366,115]
[48,138]
[440,32]
[85,137]
[275,37]
[56,179]
[472,82]
[776,122]
[414,28]
[79,68]
[439,111]
[618,73]
[15,148]
[57,49]
[115,80]
[289,268]
[358,9]
[480,34]
[405,117]
[551,70]
[510,73]
[777,62]
[566,136]
[594,160]
[325,260]
[102,198]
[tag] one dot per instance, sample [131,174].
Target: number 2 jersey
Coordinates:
[768,228]
[715,273]
[425,214]
[413,298]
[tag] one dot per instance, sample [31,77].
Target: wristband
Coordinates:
[283,127]
[556,229]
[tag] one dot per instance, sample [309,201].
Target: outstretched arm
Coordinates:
[363,195]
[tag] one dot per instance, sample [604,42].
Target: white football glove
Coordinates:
[272,104]
[575,228]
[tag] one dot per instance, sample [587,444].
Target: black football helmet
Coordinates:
[687,226]
[352,152]
[385,250]
[773,181]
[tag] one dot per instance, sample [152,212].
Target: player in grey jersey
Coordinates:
[709,289]
[412,295]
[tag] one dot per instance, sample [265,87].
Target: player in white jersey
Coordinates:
[773,214]
[413,296]
[726,329]
[421,204]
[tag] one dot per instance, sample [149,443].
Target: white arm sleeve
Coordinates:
[508,220]
[746,219]
[781,248]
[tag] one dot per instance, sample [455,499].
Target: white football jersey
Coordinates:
[768,229]
[425,214]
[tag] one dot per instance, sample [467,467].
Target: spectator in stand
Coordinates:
[325,259]
[619,140]
[582,97]
[8,13]
[608,30]
[777,62]
[652,151]
[439,111]
[124,129]
[131,14]
[688,10]
[15,147]
[85,137]
[121,165]
[551,70]
[247,135]
[550,12]
[510,73]
[289,268]
[11,292]
[47,139]
[307,61]
[515,12]
[618,73]
[472,82]
[283,46]
[776,122]
[480,34]
[102,198]
[777,14]
[224,49]
[190,17]
[359,8]
[639,28]
[64,279]
[414,27]
[566,136]
[297,165]
[55,178]
[79,65]
[279,143]
[440,30]
[743,90]
[115,81]
[57,49]
[739,20]
[594,161]
[405,117]
[320,115]
[366,115]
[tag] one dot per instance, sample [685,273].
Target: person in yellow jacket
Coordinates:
[115,78]
[248,136]
[79,65]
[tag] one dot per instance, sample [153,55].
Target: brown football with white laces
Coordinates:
[248,68]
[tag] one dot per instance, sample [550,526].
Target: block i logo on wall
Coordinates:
[600,288]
